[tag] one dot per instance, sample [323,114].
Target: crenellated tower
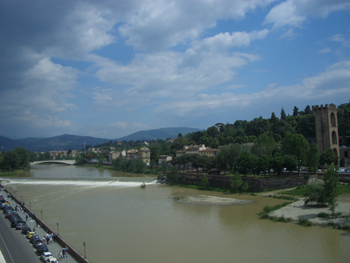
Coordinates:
[326,125]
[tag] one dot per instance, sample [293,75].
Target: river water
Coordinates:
[120,222]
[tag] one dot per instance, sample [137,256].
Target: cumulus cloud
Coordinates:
[331,83]
[169,74]
[293,13]
[159,25]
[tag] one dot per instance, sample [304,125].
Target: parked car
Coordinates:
[41,249]
[51,260]
[19,225]
[33,238]
[37,243]
[29,235]
[10,212]
[7,208]
[16,221]
[3,205]
[26,229]
[45,256]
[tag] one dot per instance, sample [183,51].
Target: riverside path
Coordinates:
[16,248]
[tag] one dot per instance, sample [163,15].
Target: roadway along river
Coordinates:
[120,222]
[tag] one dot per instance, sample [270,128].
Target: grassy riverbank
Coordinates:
[16,173]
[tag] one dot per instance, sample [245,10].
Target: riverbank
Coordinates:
[316,214]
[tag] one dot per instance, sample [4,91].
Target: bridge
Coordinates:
[68,162]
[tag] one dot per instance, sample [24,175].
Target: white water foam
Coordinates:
[86,183]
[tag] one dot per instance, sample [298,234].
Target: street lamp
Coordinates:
[84,244]
[58,230]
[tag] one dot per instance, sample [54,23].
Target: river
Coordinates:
[120,222]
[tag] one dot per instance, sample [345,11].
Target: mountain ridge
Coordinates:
[65,142]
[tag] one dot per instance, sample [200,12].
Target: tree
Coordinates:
[273,118]
[283,115]
[11,160]
[140,166]
[236,181]
[295,111]
[173,175]
[290,162]
[155,152]
[227,155]
[263,164]
[308,110]
[205,183]
[245,162]
[295,145]
[313,156]
[315,192]
[100,161]
[328,157]
[24,157]
[276,163]
[165,165]
[331,187]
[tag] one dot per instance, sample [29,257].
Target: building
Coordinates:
[209,152]
[326,128]
[114,155]
[179,153]
[144,154]
[344,156]
[192,149]
[164,158]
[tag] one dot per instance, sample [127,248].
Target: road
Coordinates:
[14,247]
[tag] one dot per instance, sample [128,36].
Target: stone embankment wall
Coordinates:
[255,184]
[75,254]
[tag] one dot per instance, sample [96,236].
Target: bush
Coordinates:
[323,215]
[304,222]
[205,183]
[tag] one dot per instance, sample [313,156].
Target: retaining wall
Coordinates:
[75,254]
[255,184]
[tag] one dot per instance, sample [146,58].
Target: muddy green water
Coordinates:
[120,222]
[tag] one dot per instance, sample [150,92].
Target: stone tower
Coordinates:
[326,125]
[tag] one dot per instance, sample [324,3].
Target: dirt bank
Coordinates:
[298,210]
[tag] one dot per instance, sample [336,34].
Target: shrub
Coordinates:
[304,222]
[323,215]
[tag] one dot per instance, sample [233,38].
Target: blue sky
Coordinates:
[110,68]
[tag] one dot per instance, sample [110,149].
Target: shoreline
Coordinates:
[297,210]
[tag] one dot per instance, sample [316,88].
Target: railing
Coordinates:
[75,254]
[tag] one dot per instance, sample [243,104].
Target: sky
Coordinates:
[110,68]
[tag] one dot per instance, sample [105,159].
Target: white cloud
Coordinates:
[331,83]
[289,34]
[341,39]
[223,41]
[284,14]
[159,25]
[325,50]
[168,75]
[293,13]
[45,95]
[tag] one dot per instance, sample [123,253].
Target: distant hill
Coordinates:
[75,142]
[57,143]
[155,134]
[7,144]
